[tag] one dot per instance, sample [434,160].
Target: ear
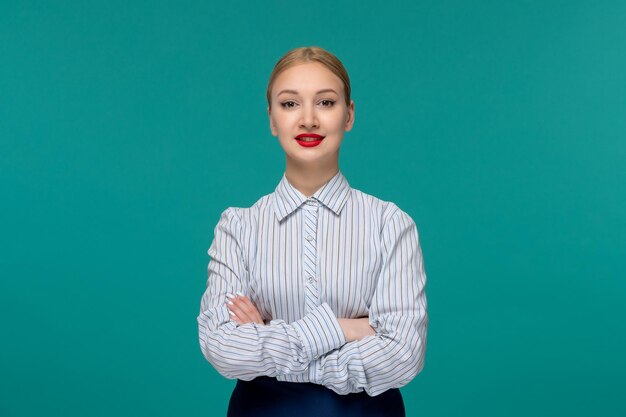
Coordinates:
[272,127]
[350,118]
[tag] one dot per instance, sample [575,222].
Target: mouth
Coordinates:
[309,139]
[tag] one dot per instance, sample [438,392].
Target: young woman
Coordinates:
[315,297]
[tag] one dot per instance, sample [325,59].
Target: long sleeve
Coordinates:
[250,350]
[398,313]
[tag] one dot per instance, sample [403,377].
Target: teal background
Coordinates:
[127,127]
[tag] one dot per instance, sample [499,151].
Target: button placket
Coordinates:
[310,254]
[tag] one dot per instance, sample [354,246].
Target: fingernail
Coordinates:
[240,293]
[230,302]
[232,314]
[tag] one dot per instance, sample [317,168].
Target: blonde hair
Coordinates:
[306,54]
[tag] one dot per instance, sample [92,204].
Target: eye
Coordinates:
[288,104]
[327,103]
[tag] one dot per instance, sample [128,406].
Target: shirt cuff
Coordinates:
[319,332]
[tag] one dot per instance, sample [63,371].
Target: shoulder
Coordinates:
[245,216]
[386,211]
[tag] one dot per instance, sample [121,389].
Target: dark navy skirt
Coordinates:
[266,396]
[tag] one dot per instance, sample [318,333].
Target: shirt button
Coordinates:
[316,357]
[309,237]
[310,280]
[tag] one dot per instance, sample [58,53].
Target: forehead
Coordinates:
[306,77]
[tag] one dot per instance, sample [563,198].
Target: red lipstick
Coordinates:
[309,143]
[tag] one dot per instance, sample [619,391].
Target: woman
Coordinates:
[315,296]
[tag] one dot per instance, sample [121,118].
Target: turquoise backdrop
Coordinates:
[126,127]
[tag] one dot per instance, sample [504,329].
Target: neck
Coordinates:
[309,178]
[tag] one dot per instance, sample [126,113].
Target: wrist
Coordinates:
[346,327]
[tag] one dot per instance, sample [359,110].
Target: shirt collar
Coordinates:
[333,194]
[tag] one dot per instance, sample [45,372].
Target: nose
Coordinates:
[308,118]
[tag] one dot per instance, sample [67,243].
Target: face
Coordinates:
[309,99]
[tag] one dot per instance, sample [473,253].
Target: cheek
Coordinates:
[335,122]
[283,122]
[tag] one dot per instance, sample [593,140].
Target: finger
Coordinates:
[246,306]
[234,304]
[232,314]
[255,313]
[250,309]
[234,317]
[235,307]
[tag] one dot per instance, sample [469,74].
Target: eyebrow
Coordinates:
[326,90]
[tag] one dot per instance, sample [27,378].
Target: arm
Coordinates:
[243,311]
[251,350]
[398,314]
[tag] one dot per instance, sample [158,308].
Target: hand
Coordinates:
[356,329]
[242,310]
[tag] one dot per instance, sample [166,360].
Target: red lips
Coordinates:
[309,143]
[309,135]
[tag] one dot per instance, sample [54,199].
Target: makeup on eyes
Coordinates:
[289,104]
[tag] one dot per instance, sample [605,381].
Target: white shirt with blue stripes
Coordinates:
[304,262]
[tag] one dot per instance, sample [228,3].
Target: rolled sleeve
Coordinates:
[319,331]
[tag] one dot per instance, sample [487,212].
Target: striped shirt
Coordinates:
[304,262]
